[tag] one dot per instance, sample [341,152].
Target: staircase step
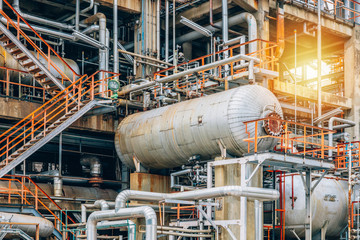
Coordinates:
[28,64]
[52,88]
[33,141]
[46,82]
[22,57]
[15,51]
[4,38]
[40,76]
[10,45]
[34,70]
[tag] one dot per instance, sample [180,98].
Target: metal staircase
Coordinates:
[67,105]
[38,63]
[46,122]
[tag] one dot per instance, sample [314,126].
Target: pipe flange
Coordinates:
[274,125]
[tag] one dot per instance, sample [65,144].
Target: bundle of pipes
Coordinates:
[120,212]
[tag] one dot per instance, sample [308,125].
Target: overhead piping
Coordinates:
[346,124]
[234,20]
[115,37]
[236,191]
[49,22]
[101,18]
[137,212]
[188,72]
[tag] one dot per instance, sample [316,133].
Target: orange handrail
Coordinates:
[265,54]
[46,114]
[36,33]
[23,196]
[287,141]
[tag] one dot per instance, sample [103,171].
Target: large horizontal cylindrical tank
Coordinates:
[167,137]
[328,204]
[9,61]
[45,226]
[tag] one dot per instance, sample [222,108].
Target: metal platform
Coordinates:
[290,161]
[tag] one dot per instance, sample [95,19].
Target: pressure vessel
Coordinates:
[45,226]
[329,205]
[168,136]
[9,61]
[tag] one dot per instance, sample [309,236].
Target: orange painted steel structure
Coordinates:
[341,159]
[50,51]
[288,142]
[265,54]
[7,83]
[84,89]
[30,194]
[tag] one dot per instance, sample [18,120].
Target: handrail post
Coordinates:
[256,137]
[92,88]
[7,151]
[9,196]
[36,198]
[7,83]
[18,27]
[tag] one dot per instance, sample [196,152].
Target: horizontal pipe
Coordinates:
[237,191]
[144,57]
[188,72]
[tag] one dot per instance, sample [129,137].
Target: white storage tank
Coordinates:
[329,203]
[167,137]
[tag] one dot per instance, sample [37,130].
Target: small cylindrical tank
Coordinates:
[45,226]
[328,204]
[167,137]
[8,61]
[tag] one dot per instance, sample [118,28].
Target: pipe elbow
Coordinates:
[94,18]
[102,204]
[121,199]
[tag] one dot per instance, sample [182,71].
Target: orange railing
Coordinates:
[265,54]
[294,137]
[39,53]
[6,86]
[85,88]
[23,190]
[342,155]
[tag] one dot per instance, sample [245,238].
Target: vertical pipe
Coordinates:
[243,205]
[225,31]
[158,28]
[257,220]
[115,37]
[60,153]
[174,31]
[349,191]
[166,30]
[319,58]
[225,21]
[308,230]
[77,15]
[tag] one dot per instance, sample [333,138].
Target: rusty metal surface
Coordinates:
[167,137]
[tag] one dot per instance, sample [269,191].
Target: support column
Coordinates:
[151,183]
[352,80]
[231,206]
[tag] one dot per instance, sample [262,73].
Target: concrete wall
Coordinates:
[13,109]
[352,79]
[231,175]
